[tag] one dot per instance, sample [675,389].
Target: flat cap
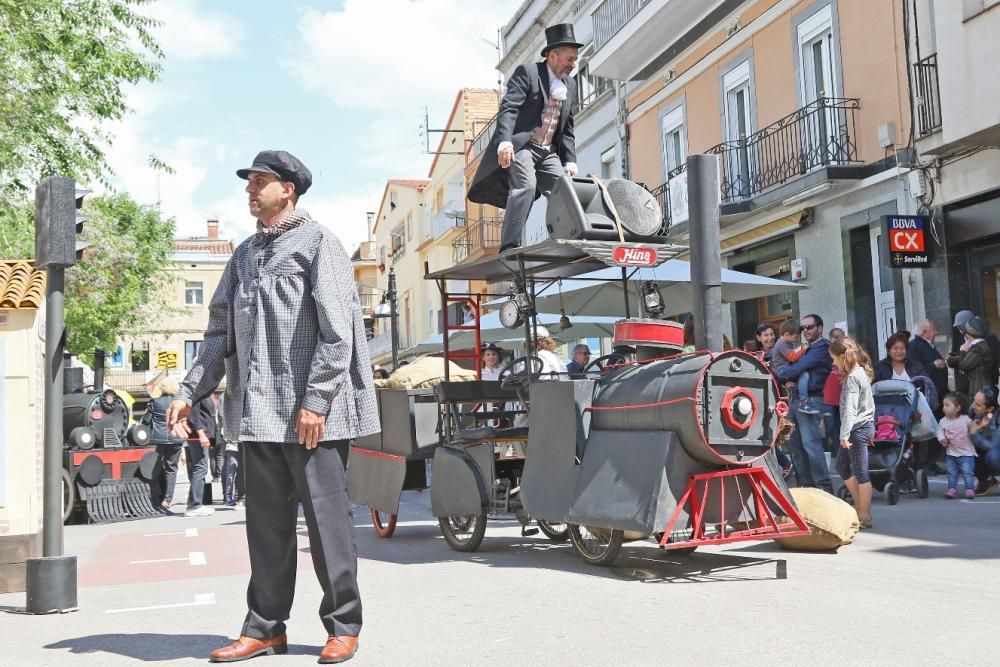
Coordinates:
[282,164]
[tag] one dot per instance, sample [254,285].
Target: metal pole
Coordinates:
[393,319]
[706,260]
[55,344]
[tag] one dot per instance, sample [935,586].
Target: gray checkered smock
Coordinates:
[285,327]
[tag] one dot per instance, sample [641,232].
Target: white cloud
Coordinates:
[189,31]
[392,58]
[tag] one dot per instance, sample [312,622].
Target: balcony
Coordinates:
[629,34]
[449,218]
[370,297]
[927,96]
[482,139]
[819,138]
[479,237]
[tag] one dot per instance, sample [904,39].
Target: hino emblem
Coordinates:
[627,256]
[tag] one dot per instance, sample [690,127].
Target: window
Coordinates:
[140,357]
[393,199]
[608,163]
[589,88]
[409,226]
[397,243]
[194,293]
[674,141]
[736,84]
[191,349]
[972,8]
[818,81]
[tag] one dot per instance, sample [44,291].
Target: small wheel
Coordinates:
[557,532]
[682,551]
[68,495]
[596,546]
[891,492]
[463,533]
[601,363]
[384,523]
[923,488]
[845,495]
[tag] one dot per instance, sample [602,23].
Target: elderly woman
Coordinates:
[897,365]
[545,349]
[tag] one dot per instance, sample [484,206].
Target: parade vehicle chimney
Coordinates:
[72,377]
[213,229]
[98,370]
[706,261]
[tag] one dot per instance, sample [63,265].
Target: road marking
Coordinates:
[981,502]
[193,557]
[189,532]
[200,599]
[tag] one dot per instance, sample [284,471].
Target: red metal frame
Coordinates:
[659,332]
[381,455]
[116,457]
[766,525]
[475,353]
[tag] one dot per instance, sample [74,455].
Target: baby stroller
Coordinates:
[892,459]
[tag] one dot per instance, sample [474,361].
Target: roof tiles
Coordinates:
[22,286]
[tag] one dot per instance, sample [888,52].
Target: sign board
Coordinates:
[634,256]
[166,359]
[906,241]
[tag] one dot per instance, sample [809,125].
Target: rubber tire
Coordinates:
[922,484]
[68,495]
[605,558]
[474,540]
[844,494]
[551,533]
[891,492]
[386,529]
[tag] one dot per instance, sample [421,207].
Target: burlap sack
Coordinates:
[427,372]
[832,522]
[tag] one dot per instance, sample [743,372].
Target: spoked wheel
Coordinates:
[463,533]
[682,551]
[384,523]
[923,488]
[596,546]
[68,495]
[557,532]
[845,495]
[891,492]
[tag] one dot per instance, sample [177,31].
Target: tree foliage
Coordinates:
[65,63]
[122,286]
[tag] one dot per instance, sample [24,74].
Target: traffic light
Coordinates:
[57,222]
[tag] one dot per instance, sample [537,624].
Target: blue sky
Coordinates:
[340,83]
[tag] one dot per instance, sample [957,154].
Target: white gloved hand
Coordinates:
[571,169]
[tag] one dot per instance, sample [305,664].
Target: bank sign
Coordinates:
[906,241]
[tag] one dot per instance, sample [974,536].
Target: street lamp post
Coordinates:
[387,308]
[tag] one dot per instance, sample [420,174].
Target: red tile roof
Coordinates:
[214,247]
[21,285]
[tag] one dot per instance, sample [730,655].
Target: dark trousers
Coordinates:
[230,473]
[169,455]
[533,169]
[218,457]
[282,476]
[197,467]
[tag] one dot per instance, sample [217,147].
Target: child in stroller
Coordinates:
[893,460]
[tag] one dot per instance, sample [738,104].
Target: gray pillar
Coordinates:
[55,344]
[703,238]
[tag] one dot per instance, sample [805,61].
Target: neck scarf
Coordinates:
[296,218]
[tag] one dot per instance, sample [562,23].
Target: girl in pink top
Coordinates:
[953,434]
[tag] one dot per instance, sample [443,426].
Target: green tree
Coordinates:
[64,65]
[122,285]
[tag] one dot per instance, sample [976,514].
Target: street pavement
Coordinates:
[920,589]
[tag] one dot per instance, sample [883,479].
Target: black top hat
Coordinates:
[560,34]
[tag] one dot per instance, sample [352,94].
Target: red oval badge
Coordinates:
[634,256]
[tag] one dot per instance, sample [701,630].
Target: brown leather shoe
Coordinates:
[245,648]
[338,649]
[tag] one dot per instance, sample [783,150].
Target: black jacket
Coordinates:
[979,366]
[519,117]
[203,416]
[883,369]
[925,354]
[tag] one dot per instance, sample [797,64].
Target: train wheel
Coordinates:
[68,495]
[557,532]
[463,533]
[384,523]
[594,545]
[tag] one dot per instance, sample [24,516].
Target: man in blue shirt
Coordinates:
[805,445]
[581,357]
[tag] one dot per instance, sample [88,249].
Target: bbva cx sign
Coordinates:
[906,242]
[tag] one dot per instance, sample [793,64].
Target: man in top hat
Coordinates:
[285,329]
[533,144]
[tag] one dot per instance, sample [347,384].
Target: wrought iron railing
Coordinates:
[820,134]
[482,139]
[479,235]
[611,16]
[927,105]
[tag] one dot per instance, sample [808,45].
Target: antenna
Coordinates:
[427,137]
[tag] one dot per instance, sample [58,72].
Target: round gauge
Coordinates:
[510,315]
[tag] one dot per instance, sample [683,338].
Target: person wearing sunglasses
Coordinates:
[805,445]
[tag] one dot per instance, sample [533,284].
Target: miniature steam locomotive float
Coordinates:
[108,465]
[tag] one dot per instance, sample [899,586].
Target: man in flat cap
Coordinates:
[285,329]
[534,143]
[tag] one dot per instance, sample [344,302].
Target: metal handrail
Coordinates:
[479,235]
[927,94]
[611,16]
